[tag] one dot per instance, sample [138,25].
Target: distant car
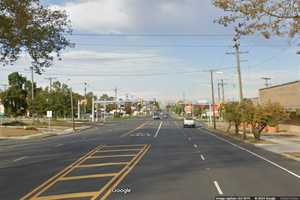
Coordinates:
[189,122]
[165,116]
[156,116]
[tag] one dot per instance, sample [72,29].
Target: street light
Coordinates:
[212,71]
[72,106]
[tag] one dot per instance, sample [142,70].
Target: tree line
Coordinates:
[17,99]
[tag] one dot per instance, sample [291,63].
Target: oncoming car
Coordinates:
[189,122]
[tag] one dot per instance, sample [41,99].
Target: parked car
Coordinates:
[189,122]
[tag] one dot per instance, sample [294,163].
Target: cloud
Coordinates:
[114,16]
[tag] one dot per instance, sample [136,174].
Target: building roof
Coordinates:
[280,85]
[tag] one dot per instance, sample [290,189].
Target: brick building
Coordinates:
[287,94]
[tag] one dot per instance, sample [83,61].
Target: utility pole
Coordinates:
[213,97]
[267,81]
[85,97]
[32,94]
[223,92]
[50,82]
[72,109]
[116,99]
[237,52]
[219,92]
[238,66]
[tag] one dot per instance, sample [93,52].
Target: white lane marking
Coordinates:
[218,188]
[58,145]
[158,129]
[202,157]
[19,159]
[189,138]
[195,145]
[255,154]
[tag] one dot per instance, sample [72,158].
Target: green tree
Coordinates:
[232,114]
[268,114]
[15,97]
[198,111]
[27,26]
[128,108]
[264,16]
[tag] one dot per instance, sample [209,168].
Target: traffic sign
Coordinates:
[49,114]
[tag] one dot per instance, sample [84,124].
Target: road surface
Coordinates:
[142,159]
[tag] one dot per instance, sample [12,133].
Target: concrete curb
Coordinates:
[223,133]
[50,134]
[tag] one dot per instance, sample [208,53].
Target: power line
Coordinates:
[150,35]
[178,45]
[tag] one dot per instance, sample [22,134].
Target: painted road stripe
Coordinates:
[117,150]
[189,138]
[123,175]
[67,178]
[50,182]
[158,129]
[67,196]
[137,128]
[202,157]
[101,164]
[255,154]
[218,188]
[112,156]
[19,159]
[196,146]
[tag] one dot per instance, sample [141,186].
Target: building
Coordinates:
[287,94]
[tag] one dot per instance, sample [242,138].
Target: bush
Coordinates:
[14,123]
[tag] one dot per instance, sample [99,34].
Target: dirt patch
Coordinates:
[294,154]
[15,132]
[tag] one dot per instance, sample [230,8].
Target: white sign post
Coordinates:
[49,116]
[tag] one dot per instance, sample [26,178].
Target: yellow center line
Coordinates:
[44,186]
[66,196]
[67,178]
[108,185]
[121,178]
[101,164]
[137,128]
[106,190]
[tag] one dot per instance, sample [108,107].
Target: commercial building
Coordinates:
[287,94]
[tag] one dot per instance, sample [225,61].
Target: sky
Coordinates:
[160,49]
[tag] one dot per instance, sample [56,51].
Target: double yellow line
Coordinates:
[137,128]
[103,193]
[50,182]
[113,183]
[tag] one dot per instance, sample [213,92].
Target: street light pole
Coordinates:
[213,97]
[32,94]
[72,109]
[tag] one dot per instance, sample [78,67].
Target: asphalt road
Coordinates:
[142,159]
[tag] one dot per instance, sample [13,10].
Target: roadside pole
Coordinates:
[72,109]
[49,115]
[213,97]
[93,109]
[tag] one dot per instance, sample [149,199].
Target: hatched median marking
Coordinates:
[103,192]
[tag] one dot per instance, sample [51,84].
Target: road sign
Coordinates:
[49,114]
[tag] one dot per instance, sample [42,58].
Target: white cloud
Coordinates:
[104,15]
[107,16]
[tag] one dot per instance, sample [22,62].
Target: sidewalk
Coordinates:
[284,143]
